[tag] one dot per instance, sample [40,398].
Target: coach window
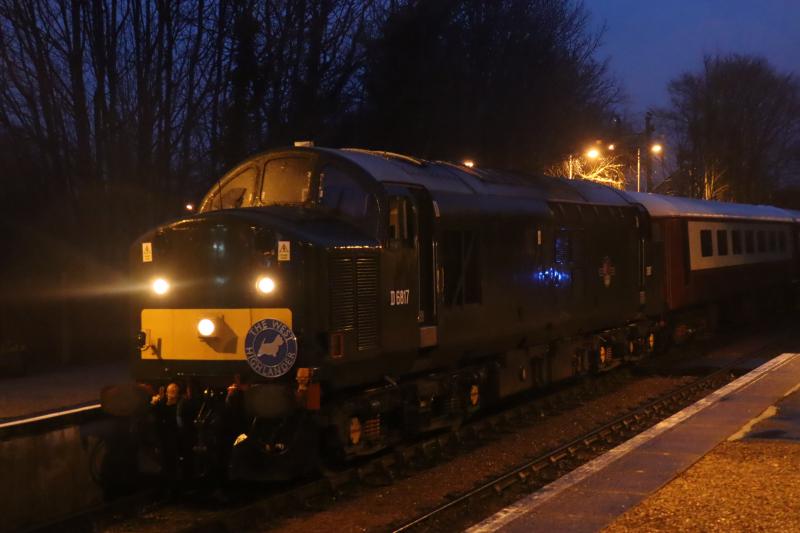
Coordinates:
[773,241]
[722,242]
[232,193]
[749,246]
[761,239]
[706,247]
[781,241]
[340,193]
[736,241]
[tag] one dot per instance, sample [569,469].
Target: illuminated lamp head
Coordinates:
[206,327]
[265,285]
[160,286]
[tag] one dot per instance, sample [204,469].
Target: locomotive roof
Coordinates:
[447,177]
[677,206]
[438,176]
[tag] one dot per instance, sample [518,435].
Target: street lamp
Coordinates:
[590,153]
[656,149]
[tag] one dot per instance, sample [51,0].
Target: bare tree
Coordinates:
[736,126]
[510,83]
[607,169]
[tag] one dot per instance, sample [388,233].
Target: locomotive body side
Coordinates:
[327,303]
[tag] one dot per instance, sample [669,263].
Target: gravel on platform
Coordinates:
[749,485]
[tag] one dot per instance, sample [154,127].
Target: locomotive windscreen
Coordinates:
[286,181]
[237,191]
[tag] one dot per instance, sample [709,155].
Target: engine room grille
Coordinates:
[354,298]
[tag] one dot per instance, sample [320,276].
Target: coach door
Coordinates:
[411,227]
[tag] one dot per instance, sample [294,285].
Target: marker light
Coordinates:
[160,286]
[206,327]
[265,285]
[469,163]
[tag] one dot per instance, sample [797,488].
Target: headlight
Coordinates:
[160,286]
[265,285]
[206,327]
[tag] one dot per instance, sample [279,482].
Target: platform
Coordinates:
[764,403]
[57,389]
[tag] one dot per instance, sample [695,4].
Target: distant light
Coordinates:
[469,163]
[656,148]
[593,153]
[612,147]
[206,327]
[265,285]
[160,286]
[304,144]
[190,207]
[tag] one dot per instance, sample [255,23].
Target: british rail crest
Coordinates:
[270,347]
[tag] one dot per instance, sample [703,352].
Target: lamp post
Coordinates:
[570,166]
[655,149]
[638,169]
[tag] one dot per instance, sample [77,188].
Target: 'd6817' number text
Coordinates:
[399,297]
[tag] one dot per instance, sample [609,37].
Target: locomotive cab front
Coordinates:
[229,323]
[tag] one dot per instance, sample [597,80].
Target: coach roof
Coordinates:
[660,206]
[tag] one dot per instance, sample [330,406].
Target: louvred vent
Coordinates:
[354,297]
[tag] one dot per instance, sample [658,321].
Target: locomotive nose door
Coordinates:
[411,243]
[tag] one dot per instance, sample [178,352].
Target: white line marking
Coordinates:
[769,412]
[47,416]
[525,505]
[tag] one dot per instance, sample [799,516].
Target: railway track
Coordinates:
[537,472]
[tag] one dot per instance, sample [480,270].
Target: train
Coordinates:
[326,304]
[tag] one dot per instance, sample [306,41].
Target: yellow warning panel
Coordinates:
[178,333]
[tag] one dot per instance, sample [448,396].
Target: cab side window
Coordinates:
[340,192]
[401,222]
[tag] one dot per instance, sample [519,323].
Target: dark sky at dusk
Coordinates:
[649,43]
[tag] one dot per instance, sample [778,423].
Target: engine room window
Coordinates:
[233,193]
[340,192]
[761,239]
[286,181]
[461,265]
[773,241]
[748,242]
[736,241]
[563,247]
[706,247]
[722,242]
[781,241]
